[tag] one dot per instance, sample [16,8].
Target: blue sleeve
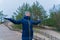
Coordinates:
[36,22]
[15,21]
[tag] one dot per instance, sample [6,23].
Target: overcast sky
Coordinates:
[10,6]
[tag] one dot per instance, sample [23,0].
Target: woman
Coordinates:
[27,25]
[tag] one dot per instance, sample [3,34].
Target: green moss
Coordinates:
[17,26]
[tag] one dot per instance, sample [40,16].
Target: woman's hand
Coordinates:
[6,18]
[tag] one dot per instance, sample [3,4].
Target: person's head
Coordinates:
[27,13]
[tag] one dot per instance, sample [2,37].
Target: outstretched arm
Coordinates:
[36,22]
[14,21]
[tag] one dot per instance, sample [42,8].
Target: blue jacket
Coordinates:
[27,26]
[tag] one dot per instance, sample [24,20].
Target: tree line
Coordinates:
[37,10]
